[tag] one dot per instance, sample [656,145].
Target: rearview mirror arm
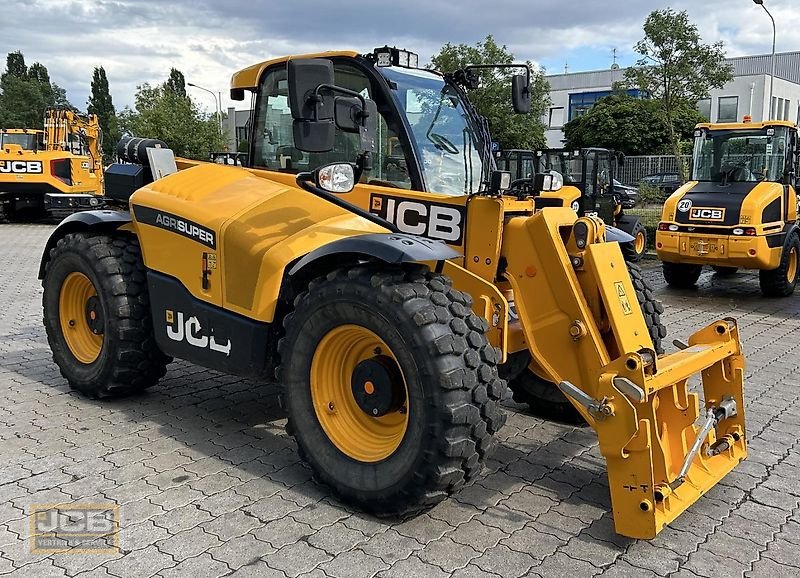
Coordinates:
[305,181]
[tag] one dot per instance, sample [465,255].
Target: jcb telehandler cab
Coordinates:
[739,210]
[370,255]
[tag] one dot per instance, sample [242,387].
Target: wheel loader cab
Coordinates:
[739,209]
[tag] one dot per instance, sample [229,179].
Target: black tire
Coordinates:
[781,282]
[450,375]
[724,271]
[681,275]
[546,400]
[129,360]
[629,251]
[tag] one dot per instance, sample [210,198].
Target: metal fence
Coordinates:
[639,167]
[651,198]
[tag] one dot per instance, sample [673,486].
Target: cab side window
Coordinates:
[274,144]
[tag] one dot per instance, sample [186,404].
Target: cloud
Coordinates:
[138,41]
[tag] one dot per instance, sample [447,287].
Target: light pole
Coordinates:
[216,103]
[772,75]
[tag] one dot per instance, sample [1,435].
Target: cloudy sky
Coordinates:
[139,40]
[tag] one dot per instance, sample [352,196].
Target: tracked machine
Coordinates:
[52,172]
[369,259]
[740,209]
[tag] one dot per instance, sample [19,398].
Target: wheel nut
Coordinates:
[71,323]
[330,406]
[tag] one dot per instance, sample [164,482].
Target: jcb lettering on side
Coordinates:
[706,214]
[417,217]
[21,167]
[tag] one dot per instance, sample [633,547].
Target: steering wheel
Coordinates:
[442,142]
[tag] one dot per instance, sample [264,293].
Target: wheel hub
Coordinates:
[377,386]
[94,315]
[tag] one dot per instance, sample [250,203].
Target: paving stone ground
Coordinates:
[210,485]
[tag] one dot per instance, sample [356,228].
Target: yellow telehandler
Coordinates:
[54,172]
[369,260]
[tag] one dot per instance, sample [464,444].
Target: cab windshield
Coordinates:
[26,140]
[744,155]
[441,130]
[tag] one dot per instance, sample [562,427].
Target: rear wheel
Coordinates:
[681,275]
[390,387]
[781,282]
[546,400]
[97,316]
[635,250]
[725,271]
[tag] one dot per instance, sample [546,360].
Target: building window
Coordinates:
[728,110]
[582,102]
[773,109]
[556,117]
[704,108]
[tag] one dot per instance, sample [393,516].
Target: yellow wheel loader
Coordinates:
[53,172]
[368,260]
[740,209]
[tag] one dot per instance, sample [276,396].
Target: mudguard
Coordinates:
[618,235]
[387,247]
[101,220]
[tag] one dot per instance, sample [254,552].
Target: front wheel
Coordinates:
[781,282]
[636,249]
[97,316]
[681,275]
[546,400]
[390,387]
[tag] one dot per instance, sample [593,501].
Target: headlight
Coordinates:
[336,178]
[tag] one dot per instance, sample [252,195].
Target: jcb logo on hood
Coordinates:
[417,217]
[21,167]
[705,214]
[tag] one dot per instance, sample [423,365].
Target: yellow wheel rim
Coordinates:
[791,270]
[75,312]
[336,377]
[639,243]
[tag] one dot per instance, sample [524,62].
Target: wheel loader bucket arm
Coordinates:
[665,445]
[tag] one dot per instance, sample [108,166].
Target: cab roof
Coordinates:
[247,78]
[745,125]
[21,131]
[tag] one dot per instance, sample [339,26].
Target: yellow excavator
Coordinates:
[52,172]
[369,259]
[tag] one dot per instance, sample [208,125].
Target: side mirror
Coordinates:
[312,109]
[353,116]
[336,177]
[521,94]
[237,94]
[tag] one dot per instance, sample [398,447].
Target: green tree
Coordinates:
[493,98]
[101,104]
[676,67]
[26,92]
[631,125]
[159,112]
[176,82]
[15,65]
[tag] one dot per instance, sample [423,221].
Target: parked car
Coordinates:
[667,183]
[629,196]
